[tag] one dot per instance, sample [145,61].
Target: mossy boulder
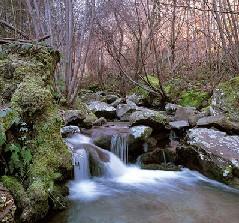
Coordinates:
[225,99]
[17,190]
[80,115]
[30,69]
[194,98]
[151,118]
[187,94]
[31,96]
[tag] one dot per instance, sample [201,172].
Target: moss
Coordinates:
[226,98]
[2,136]
[194,98]
[31,96]
[39,200]
[161,118]
[17,190]
[51,154]
[8,117]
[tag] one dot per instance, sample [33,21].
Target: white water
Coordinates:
[80,161]
[119,146]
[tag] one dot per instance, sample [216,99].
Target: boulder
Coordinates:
[189,114]
[97,156]
[102,109]
[7,206]
[110,98]
[171,108]
[225,100]
[141,132]
[67,131]
[212,152]
[100,121]
[220,122]
[179,124]
[117,102]
[158,156]
[154,119]
[125,110]
[135,98]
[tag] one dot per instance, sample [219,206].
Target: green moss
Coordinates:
[161,118]
[2,136]
[31,96]
[8,117]
[17,190]
[152,80]
[194,98]
[51,154]
[227,98]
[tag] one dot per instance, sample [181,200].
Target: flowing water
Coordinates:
[127,194]
[119,146]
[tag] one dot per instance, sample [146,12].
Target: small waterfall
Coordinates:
[119,146]
[80,160]
[115,167]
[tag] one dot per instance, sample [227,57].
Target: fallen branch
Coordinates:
[4,23]
[23,41]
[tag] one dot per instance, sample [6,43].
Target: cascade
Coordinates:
[80,160]
[119,146]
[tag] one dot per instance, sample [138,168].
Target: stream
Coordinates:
[128,194]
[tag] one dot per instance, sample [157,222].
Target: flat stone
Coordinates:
[102,109]
[179,124]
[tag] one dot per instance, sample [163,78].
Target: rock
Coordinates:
[220,122]
[171,108]
[69,130]
[73,117]
[165,167]
[110,98]
[135,98]
[141,132]
[149,117]
[179,124]
[225,99]
[158,156]
[98,157]
[7,206]
[101,109]
[100,121]
[117,102]
[189,114]
[125,110]
[212,152]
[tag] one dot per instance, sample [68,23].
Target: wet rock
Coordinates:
[97,158]
[158,156]
[69,130]
[141,132]
[7,206]
[148,117]
[225,99]
[102,109]
[179,124]
[165,167]
[125,110]
[212,152]
[100,121]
